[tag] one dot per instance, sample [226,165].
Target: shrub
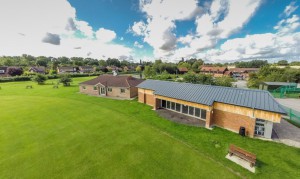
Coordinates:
[14,71]
[39,78]
[65,80]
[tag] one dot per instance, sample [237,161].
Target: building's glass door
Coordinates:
[259,127]
[102,90]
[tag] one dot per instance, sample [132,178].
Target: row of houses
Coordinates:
[230,108]
[242,73]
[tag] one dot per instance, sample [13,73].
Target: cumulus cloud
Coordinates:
[105,35]
[283,43]
[161,17]
[292,7]
[51,39]
[137,44]
[51,28]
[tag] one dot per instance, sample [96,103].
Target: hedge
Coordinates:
[28,78]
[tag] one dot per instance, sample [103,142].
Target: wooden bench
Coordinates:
[250,157]
[29,86]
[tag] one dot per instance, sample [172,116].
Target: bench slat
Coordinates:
[242,154]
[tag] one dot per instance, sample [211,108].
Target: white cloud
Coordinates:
[138,28]
[161,17]
[290,8]
[282,44]
[105,35]
[85,28]
[287,26]
[137,44]
[51,28]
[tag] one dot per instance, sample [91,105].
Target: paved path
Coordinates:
[287,133]
[180,118]
[290,103]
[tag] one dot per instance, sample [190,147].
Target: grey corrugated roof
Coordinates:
[280,83]
[207,94]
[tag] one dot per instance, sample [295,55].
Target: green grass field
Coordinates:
[59,133]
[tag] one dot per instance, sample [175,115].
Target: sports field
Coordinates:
[60,133]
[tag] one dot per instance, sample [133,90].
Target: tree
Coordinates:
[196,65]
[184,64]
[102,63]
[65,80]
[149,72]
[224,81]
[39,78]
[138,68]
[113,62]
[41,62]
[283,62]
[14,71]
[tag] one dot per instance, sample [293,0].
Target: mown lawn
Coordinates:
[59,133]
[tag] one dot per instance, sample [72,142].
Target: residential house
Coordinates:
[3,71]
[215,71]
[255,111]
[243,73]
[39,69]
[66,69]
[86,69]
[183,70]
[112,86]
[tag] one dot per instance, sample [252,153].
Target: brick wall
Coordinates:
[233,121]
[116,92]
[133,92]
[89,89]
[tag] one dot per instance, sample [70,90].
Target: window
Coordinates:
[203,113]
[178,107]
[168,104]
[173,105]
[109,89]
[191,110]
[163,103]
[95,87]
[122,90]
[197,112]
[2,71]
[83,87]
[185,109]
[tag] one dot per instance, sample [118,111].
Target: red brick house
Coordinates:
[183,70]
[112,86]
[243,72]
[215,71]
[229,108]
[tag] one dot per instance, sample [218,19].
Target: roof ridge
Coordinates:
[213,86]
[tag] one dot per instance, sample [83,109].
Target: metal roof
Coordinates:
[280,84]
[207,95]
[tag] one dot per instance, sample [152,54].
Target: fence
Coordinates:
[293,115]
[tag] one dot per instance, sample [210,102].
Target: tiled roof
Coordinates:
[207,94]
[242,70]
[38,69]
[114,81]
[183,69]
[213,69]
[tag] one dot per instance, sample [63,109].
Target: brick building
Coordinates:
[112,86]
[215,71]
[229,108]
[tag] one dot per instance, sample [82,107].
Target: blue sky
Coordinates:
[216,31]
